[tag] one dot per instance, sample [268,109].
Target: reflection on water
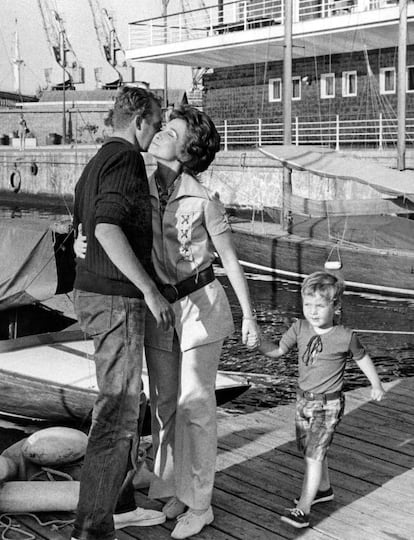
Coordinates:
[277,302]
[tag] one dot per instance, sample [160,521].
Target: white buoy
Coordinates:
[333,265]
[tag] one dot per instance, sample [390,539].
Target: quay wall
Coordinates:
[245,178]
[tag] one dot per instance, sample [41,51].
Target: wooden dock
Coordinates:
[259,472]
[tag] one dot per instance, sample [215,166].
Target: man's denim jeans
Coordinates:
[117,326]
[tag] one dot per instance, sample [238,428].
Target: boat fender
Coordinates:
[16,180]
[34,169]
[55,446]
[39,496]
[8,469]
[14,452]
[333,265]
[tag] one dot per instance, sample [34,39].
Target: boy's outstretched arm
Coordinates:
[270,349]
[367,367]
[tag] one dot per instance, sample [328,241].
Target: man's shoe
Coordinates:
[191,523]
[173,508]
[140,517]
[296,517]
[320,497]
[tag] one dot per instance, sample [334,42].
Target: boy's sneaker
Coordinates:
[296,517]
[140,517]
[173,508]
[191,523]
[320,497]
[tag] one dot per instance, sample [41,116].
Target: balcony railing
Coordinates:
[334,132]
[239,15]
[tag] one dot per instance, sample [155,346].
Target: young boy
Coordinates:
[323,349]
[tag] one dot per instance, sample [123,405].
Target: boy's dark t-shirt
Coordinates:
[113,188]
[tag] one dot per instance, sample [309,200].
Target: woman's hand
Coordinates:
[250,333]
[80,244]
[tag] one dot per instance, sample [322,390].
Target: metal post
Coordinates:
[297,131]
[259,127]
[63,57]
[337,133]
[287,109]
[226,147]
[402,62]
[164,14]
[380,134]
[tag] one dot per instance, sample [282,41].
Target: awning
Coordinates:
[333,164]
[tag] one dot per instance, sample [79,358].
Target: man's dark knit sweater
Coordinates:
[113,188]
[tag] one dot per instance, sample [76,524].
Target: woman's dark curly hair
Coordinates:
[203,141]
[131,101]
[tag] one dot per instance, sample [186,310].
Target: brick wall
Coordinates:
[241,92]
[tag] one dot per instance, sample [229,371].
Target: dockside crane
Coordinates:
[61,47]
[188,8]
[111,46]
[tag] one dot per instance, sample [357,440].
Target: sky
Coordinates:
[78,23]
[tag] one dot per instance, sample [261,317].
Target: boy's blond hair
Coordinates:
[327,285]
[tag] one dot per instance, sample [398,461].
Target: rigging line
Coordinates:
[396,332]
[260,107]
[318,90]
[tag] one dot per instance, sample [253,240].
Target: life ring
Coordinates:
[34,169]
[16,180]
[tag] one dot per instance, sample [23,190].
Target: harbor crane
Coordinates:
[60,46]
[111,46]
[196,72]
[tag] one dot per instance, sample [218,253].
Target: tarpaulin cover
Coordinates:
[333,164]
[27,262]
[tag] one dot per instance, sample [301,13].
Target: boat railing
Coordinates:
[333,131]
[238,16]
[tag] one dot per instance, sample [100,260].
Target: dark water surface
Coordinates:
[277,303]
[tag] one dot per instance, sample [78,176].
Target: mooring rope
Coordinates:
[8,525]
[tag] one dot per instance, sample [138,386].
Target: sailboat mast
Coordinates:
[17,63]
[287,108]
[401,88]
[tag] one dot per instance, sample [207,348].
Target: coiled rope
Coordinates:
[7,525]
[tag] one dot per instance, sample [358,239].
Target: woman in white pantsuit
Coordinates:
[189,225]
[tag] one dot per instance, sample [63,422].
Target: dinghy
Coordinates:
[49,379]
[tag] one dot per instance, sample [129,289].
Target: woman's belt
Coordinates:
[183,288]
[312,396]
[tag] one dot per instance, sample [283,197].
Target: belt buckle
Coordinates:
[170,292]
[308,395]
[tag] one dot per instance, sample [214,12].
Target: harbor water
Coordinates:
[385,326]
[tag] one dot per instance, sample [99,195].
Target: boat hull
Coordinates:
[267,249]
[49,379]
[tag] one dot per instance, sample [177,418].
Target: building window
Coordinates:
[387,80]
[349,83]
[275,89]
[328,85]
[410,78]
[296,88]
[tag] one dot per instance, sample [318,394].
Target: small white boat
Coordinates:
[49,379]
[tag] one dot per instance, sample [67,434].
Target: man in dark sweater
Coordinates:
[113,288]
